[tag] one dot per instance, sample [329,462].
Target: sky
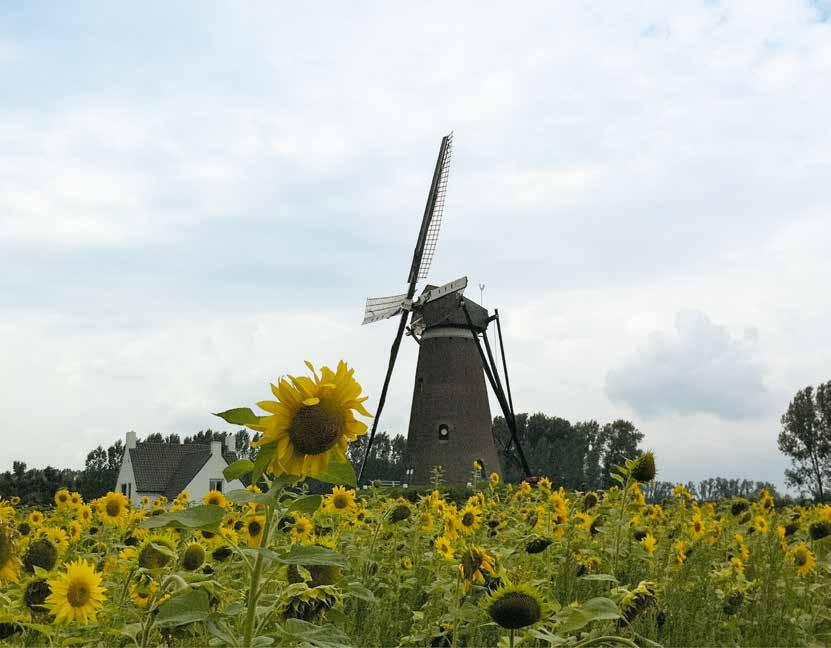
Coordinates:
[197,197]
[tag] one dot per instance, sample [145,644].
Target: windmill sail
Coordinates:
[381,308]
[422,257]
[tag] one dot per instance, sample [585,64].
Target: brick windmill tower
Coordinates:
[450,418]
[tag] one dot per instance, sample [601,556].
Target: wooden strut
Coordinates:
[496,385]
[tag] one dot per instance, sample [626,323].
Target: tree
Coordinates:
[595,441]
[806,438]
[621,442]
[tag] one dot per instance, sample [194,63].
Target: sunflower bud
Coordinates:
[644,468]
[41,553]
[819,530]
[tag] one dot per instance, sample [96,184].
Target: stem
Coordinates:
[623,502]
[253,593]
[511,644]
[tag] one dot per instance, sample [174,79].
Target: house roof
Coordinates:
[168,468]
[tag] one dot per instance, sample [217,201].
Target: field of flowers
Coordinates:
[509,564]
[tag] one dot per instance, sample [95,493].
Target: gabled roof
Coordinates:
[168,468]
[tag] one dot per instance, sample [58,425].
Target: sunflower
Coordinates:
[77,594]
[62,498]
[142,591]
[760,524]
[9,562]
[58,537]
[84,514]
[342,500]
[74,530]
[157,551]
[406,563]
[216,498]
[299,601]
[35,518]
[477,563]
[444,547]
[302,530]
[494,479]
[41,553]
[514,606]
[312,420]
[112,509]
[253,528]
[803,559]
[649,543]
[470,519]
[636,601]
[75,500]
[193,556]
[697,526]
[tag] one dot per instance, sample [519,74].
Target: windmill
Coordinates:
[450,419]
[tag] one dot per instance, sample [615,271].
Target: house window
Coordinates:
[444,432]
[130,490]
[215,484]
[123,489]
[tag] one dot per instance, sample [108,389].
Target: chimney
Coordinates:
[216,448]
[229,443]
[131,440]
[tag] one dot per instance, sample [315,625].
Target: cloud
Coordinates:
[695,368]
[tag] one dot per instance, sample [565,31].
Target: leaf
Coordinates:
[306,504]
[307,555]
[239,416]
[596,609]
[599,577]
[261,462]
[341,473]
[187,607]
[358,590]
[327,636]
[238,469]
[204,516]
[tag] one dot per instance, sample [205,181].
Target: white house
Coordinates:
[156,469]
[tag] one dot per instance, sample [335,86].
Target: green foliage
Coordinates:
[806,439]
[204,516]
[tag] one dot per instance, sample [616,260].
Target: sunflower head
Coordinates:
[9,562]
[312,420]
[157,551]
[342,500]
[77,594]
[62,498]
[299,601]
[643,469]
[819,530]
[636,601]
[514,606]
[193,557]
[113,509]
[302,530]
[400,513]
[494,479]
[41,553]
[253,528]
[444,547]
[216,498]
[803,559]
[35,594]
[537,545]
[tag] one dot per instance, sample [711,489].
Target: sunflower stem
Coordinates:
[253,588]
[511,635]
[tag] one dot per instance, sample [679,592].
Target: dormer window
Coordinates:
[215,484]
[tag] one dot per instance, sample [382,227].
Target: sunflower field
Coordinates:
[512,564]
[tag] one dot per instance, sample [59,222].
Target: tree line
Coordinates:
[37,486]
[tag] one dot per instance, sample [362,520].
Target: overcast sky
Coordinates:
[194,198]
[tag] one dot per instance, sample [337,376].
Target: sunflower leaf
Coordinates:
[306,504]
[188,607]
[340,472]
[239,416]
[205,516]
[307,555]
[238,469]
[261,462]
[596,609]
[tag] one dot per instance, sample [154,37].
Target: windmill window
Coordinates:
[444,432]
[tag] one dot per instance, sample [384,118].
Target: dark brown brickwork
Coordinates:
[449,389]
